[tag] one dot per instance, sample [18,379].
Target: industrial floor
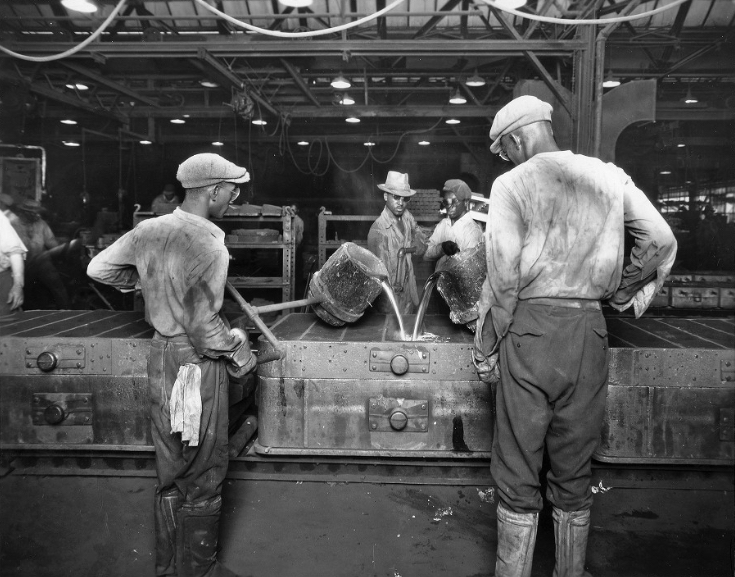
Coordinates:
[94,526]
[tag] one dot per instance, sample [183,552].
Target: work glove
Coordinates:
[487,368]
[242,360]
[450,247]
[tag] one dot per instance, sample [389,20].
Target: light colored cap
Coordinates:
[30,205]
[206,169]
[459,188]
[518,112]
[397,183]
[6,199]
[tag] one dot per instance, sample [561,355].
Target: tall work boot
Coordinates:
[198,532]
[165,509]
[516,542]
[571,529]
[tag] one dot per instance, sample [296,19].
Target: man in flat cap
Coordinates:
[180,261]
[458,231]
[393,238]
[555,240]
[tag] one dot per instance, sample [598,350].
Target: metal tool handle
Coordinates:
[252,314]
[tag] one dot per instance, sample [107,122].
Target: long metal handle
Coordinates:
[252,314]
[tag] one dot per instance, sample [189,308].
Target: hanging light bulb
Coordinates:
[369,143]
[341,83]
[80,5]
[689,99]
[346,100]
[452,121]
[146,142]
[208,84]
[297,3]
[218,143]
[512,4]
[302,143]
[70,143]
[259,121]
[352,119]
[609,81]
[457,98]
[68,121]
[177,121]
[475,80]
[424,143]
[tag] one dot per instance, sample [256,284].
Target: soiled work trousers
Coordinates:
[553,385]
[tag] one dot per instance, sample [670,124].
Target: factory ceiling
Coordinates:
[171,71]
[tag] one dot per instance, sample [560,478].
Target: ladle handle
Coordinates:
[252,314]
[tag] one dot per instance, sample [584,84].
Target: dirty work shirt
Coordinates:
[161,205]
[10,243]
[384,241]
[465,231]
[37,236]
[181,261]
[557,225]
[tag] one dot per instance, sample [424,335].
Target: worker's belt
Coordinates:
[180,338]
[586,304]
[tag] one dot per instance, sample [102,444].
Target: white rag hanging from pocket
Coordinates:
[185,404]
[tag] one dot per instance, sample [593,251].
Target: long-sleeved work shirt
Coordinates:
[10,243]
[465,231]
[36,235]
[181,262]
[556,229]
[385,240]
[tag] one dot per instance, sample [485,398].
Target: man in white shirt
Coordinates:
[458,231]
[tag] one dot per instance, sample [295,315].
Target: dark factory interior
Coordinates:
[360,441]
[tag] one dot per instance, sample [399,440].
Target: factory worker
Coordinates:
[167,201]
[555,241]
[181,263]
[458,231]
[394,237]
[12,254]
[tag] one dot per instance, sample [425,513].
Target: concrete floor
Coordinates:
[102,526]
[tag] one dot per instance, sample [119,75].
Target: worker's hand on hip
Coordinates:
[488,370]
[450,247]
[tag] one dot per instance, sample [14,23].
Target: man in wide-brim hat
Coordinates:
[393,238]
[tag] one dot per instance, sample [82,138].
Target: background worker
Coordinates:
[167,201]
[458,231]
[393,238]
[12,253]
[40,272]
[555,240]
[181,262]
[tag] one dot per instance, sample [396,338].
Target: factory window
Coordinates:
[720,196]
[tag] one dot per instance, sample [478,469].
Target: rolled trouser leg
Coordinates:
[571,529]
[165,511]
[516,542]
[198,531]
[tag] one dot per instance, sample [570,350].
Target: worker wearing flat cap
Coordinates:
[458,231]
[394,237]
[555,240]
[180,261]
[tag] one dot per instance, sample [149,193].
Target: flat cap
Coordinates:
[207,168]
[518,112]
[459,188]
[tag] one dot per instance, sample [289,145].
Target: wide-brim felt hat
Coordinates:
[397,183]
[30,205]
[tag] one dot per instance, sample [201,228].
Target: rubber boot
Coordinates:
[198,531]
[165,510]
[516,542]
[571,529]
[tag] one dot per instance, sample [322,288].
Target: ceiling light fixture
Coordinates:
[665,172]
[68,121]
[178,121]
[297,3]
[352,119]
[609,81]
[341,83]
[218,143]
[369,143]
[208,84]
[424,143]
[146,142]
[512,4]
[77,86]
[346,100]
[475,80]
[259,121]
[302,143]
[457,98]
[452,121]
[80,5]
[680,145]
[70,143]
[689,99]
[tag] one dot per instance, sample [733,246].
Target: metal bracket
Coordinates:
[399,362]
[727,424]
[57,356]
[398,415]
[727,370]
[62,409]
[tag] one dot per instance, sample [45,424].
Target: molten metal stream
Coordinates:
[392,298]
[425,297]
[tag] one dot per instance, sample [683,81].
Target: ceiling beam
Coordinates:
[109,83]
[299,81]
